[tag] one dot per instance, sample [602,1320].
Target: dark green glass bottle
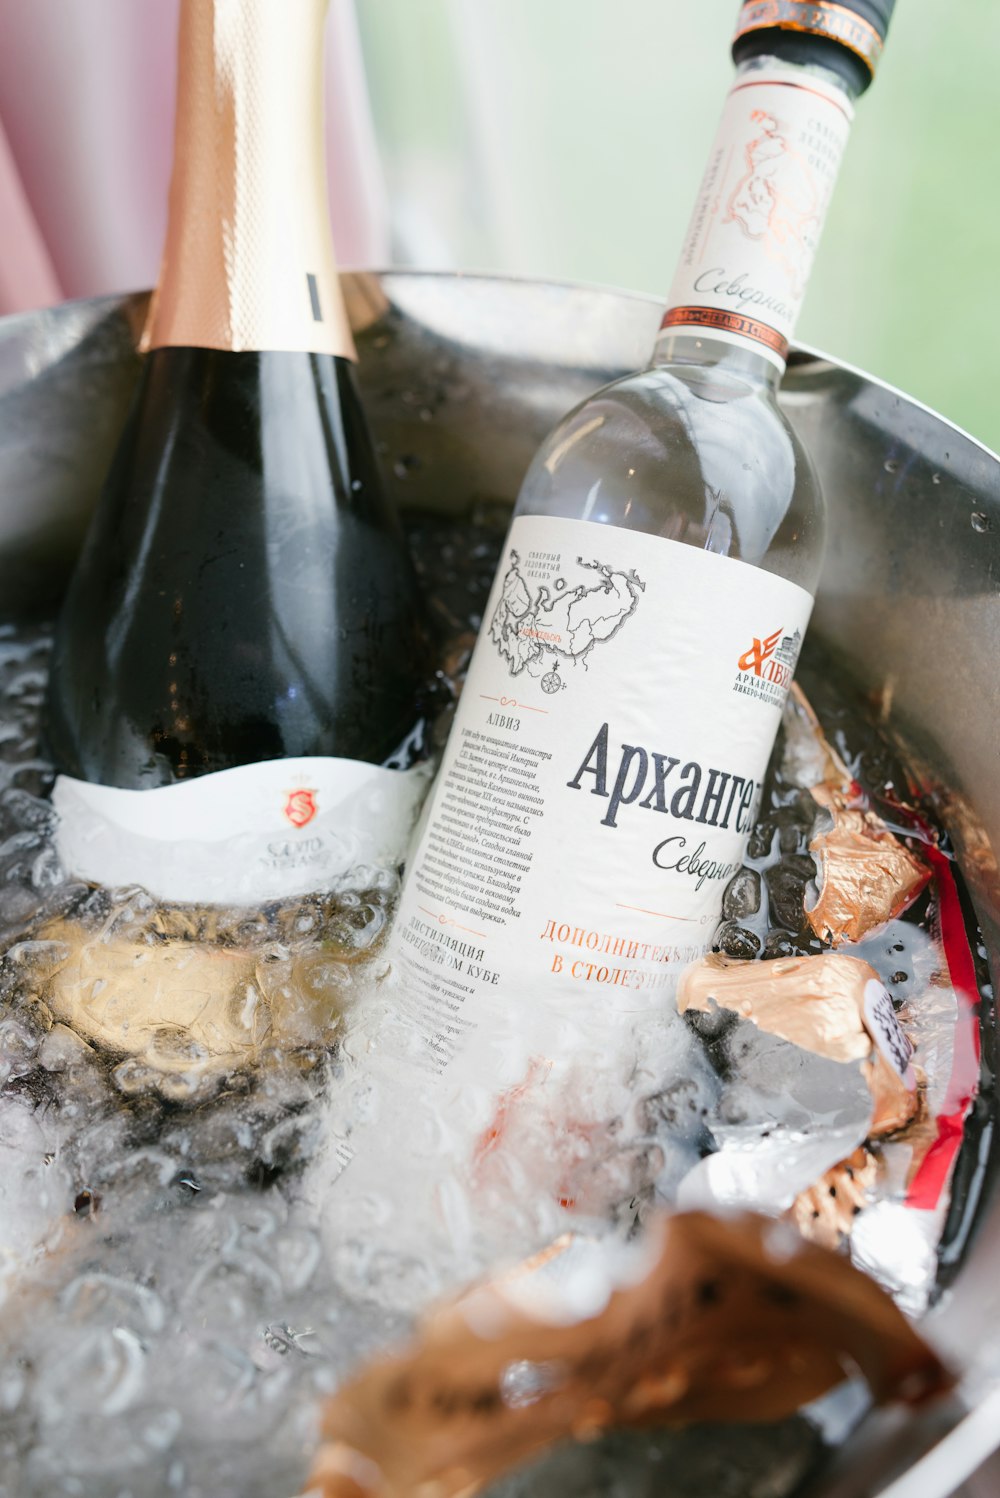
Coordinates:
[245,592]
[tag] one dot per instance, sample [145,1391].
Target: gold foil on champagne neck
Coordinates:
[707,1319]
[248,263]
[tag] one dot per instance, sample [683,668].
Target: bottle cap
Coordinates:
[860,26]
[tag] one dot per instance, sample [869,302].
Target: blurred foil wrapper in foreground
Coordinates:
[701,1319]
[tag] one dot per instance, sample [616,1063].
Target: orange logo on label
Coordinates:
[772,660]
[300,807]
[760,652]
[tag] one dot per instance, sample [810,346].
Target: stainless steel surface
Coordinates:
[66,378]
[462,376]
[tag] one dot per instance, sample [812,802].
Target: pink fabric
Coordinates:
[27,276]
[359,209]
[86,100]
[86,106]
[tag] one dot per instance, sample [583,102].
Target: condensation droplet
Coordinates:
[981,522]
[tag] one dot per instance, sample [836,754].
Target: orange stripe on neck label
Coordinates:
[760,210]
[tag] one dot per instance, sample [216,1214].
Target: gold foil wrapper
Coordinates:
[176,1005]
[707,1319]
[248,262]
[822,1003]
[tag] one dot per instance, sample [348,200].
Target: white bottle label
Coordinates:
[597,788]
[760,211]
[238,837]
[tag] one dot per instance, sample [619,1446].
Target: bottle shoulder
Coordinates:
[244,582]
[691,453]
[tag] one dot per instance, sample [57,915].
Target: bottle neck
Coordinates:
[749,248]
[248,262]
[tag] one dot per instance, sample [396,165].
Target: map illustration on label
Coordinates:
[780,200]
[759,214]
[534,629]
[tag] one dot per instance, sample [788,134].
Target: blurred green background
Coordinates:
[566,139]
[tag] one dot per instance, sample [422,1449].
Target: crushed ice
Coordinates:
[204,1226]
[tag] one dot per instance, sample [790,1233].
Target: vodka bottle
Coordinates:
[605,765]
[237,672]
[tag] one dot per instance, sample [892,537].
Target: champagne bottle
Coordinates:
[605,765]
[237,672]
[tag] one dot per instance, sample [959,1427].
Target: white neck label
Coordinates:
[760,212]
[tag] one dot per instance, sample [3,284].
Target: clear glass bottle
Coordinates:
[605,765]
[696,449]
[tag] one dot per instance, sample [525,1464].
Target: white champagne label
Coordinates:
[239,837]
[597,788]
[750,245]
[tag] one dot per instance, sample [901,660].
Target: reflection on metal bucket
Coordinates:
[462,376]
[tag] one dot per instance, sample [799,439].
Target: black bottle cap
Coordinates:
[847,36]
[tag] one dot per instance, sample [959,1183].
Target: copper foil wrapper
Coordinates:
[897,1104]
[704,1319]
[866,874]
[248,262]
[829,1003]
[825,1213]
[817,761]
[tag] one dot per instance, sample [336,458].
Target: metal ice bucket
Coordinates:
[462,376]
